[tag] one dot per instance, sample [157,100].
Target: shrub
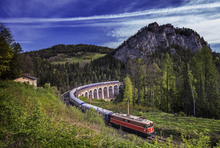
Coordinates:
[140,113]
[46,85]
[182,114]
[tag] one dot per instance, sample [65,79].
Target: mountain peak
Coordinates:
[150,38]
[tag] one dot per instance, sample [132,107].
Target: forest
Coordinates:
[68,50]
[180,82]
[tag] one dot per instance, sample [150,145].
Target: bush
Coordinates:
[182,114]
[46,85]
[92,116]
[140,113]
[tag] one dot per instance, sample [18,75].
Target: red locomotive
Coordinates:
[135,124]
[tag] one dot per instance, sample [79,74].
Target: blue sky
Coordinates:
[38,24]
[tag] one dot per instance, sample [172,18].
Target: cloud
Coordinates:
[207,28]
[199,15]
[26,42]
[16,8]
[115,16]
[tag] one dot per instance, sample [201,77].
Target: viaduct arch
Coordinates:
[104,90]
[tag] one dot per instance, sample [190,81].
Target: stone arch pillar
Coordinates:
[105,92]
[86,94]
[111,92]
[95,93]
[116,90]
[100,93]
[90,94]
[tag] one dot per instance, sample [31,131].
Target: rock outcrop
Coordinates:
[153,36]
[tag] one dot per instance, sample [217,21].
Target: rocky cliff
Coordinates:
[153,37]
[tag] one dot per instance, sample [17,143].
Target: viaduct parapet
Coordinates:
[103,90]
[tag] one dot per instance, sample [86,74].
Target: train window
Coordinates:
[149,126]
[146,126]
[126,120]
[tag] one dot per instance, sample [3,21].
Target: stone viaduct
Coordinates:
[104,90]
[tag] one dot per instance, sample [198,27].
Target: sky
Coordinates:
[38,24]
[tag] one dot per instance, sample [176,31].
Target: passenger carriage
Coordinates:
[135,124]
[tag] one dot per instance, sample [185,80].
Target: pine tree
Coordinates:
[169,82]
[6,53]
[128,90]
[206,73]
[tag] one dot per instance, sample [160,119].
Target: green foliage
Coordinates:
[70,75]
[76,59]
[182,114]
[169,123]
[140,113]
[128,90]
[5,48]
[46,86]
[36,118]
[61,51]
[92,116]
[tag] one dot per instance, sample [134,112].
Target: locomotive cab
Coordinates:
[150,128]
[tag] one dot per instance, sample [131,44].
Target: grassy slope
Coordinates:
[91,56]
[36,118]
[172,125]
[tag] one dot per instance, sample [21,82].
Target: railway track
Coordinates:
[161,139]
[65,98]
[149,138]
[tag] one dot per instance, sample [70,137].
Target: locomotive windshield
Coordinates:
[149,125]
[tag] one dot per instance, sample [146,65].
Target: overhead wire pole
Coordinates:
[192,92]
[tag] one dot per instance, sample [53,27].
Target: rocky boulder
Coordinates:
[152,37]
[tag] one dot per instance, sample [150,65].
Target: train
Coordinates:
[135,124]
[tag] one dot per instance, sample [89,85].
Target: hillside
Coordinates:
[36,118]
[153,37]
[68,50]
[167,124]
[85,58]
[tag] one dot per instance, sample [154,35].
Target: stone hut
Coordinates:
[27,78]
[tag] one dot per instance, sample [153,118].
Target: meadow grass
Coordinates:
[165,123]
[35,117]
[76,59]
